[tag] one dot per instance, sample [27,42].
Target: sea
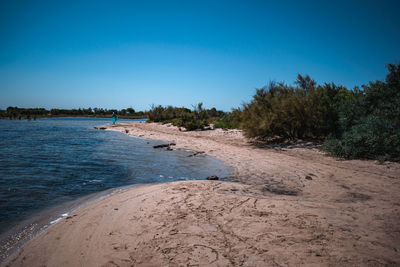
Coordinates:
[51,166]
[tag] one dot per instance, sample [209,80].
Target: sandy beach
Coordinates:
[283,205]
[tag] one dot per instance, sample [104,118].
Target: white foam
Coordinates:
[59,218]
[56,220]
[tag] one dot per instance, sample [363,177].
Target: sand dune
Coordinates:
[293,205]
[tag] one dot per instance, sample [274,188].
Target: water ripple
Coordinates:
[49,161]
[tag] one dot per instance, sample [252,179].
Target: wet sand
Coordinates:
[286,205]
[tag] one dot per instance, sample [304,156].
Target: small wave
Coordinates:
[59,218]
[95,181]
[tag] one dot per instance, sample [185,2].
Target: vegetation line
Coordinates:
[353,123]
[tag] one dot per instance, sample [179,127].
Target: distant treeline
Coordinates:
[31,113]
[358,123]
[198,118]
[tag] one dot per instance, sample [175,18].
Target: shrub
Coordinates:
[231,120]
[302,111]
[181,117]
[370,138]
[370,121]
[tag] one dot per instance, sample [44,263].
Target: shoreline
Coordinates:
[20,232]
[17,236]
[293,205]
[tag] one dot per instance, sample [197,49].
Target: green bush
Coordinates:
[371,138]
[370,121]
[302,111]
[180,117]
[230,120]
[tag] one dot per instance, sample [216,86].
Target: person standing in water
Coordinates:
[114,118]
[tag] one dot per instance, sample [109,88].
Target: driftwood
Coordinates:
[164,145]
[196,153]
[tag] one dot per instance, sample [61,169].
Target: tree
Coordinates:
[130,111]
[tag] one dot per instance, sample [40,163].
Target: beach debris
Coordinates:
[212,177]
[164,145]
[100,128]
[126,131]
[310,176]
[196,153]
[70,217]
[345,186]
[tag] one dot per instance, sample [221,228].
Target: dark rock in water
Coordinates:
[100,128]
[126,131]
[212,177]
[164,145]
[308,177]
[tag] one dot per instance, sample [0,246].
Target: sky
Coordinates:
[119,54]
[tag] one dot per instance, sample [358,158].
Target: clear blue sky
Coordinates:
[117,54]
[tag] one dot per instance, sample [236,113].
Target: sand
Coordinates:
[285,205]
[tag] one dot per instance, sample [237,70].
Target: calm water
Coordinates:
[50,161]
